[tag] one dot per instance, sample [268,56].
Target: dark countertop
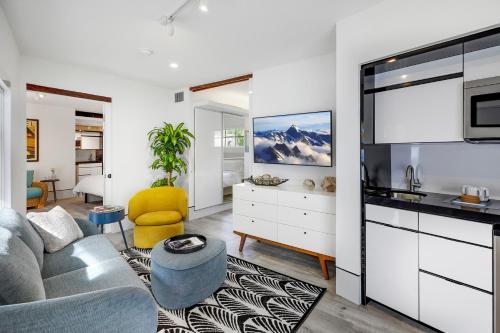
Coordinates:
[86,162]
[439,204]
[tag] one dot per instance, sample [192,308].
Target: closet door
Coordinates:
[208,157]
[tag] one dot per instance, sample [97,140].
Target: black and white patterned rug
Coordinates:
[252,299]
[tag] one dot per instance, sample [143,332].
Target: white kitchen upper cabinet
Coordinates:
[392,267]
[431,112]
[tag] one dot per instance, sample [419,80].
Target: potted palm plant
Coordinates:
[168,144]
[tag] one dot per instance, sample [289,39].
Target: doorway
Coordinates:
[221,118]
[68,141]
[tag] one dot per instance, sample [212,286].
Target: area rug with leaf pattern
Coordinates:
[251,299]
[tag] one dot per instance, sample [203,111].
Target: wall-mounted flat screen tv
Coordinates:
[298,139]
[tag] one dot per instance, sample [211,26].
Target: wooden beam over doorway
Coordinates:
[221,83]
[62,92]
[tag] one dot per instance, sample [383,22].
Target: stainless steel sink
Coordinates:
[413,196]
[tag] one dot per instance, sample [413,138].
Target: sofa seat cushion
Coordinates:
[34,192]
[20,278]
[159,218]
[84,252]
[107,274]
[22,228]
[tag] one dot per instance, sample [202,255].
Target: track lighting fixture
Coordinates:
[168,20]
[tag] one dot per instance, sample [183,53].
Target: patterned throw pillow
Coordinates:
[56,227]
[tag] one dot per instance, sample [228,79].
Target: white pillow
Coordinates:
[56,227]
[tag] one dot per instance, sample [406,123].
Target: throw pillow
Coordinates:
[56,227]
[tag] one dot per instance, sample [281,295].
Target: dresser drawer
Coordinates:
[458,261]
[452,307]
[467,231]
[255,227]
[307,219]
[257,210]
[307,239]
[315,202]
[254,193]
[392,216]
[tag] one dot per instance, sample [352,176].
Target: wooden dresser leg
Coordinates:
[242,241]
[324,267]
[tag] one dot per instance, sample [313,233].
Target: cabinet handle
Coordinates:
[305,233]
[253,190]
[252,205]
[253,221]
[305,214]
[305,197]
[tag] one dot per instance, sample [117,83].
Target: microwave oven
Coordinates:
[482,110]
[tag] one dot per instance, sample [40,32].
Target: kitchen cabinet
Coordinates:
[454,308]
[430,112]
[87,169]
[432,268]
[392,267]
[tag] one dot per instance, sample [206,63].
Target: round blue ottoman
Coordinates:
[181,280]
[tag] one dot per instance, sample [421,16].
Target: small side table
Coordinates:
[53,181]
[102,215]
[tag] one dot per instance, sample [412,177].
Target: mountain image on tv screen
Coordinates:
[301,139]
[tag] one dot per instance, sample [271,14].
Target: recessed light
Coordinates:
[174,65]
[250,92]
[203,6]
[404,76]
[147,52]
[41,96]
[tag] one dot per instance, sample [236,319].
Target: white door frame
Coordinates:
[5,146]
[107,155]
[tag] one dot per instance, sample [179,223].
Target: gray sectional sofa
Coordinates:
[85,287]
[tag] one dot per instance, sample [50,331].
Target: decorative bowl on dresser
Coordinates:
[290,217]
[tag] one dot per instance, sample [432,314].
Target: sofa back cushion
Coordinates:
[20,277]
[22,228]
[29,177]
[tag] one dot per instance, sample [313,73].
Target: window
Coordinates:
[234,138]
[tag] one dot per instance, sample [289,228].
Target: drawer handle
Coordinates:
[253,205]
[305,214]
[305,196]
[305,233]
[253,190]
[253,221]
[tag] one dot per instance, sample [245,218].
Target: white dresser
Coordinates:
[287,216]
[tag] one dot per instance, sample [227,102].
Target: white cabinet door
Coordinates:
[395,217]
[454,308]
[424,113]
[466,263]
[392,268]
[207,159]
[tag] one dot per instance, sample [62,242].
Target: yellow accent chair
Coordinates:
[158,213]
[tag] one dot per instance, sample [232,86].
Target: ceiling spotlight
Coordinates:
[174,65]
[404,76]
[250,92]
[168,22]
[41,96]
[203,5]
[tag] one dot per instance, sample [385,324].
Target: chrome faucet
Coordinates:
[413,182]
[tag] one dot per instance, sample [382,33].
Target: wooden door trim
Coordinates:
[69,93]
[221,83]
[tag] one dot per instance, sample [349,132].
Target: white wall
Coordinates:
[390,27]
[304,86]
[444,168]
[136,109]
[56,145]
[15,121]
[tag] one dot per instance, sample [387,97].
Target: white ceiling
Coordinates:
[234,37]
[79,104]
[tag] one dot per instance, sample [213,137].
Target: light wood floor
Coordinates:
[332,314]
